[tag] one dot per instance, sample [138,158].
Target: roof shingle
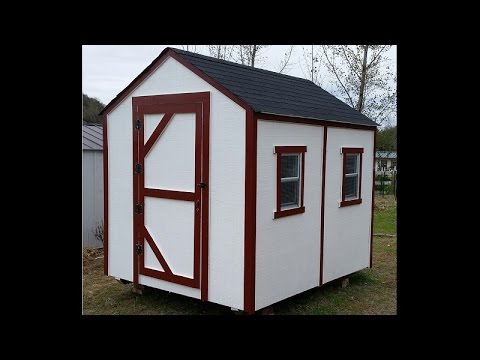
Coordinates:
[273,93]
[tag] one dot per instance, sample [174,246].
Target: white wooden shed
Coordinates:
[234,185]
[92,184]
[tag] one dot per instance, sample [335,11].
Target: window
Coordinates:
[383,165]
[290,180]
[394,165]
[352,176]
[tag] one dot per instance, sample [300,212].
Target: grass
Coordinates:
[370,291]
[385,215]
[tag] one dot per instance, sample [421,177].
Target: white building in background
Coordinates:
[385,160]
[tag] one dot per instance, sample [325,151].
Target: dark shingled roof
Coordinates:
[92,137]
[269,92]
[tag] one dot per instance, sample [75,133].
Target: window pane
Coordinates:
[289,165]
[351,187]
[352,160]
[289,193]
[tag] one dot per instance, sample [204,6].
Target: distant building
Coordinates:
[385,160]
[92,184]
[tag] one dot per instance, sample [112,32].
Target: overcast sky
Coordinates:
[108,69]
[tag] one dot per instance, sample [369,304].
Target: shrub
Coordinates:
[382,177]
[98,231]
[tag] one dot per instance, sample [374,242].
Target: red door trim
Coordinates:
[156,133]
[205,193]
[136,237]
[157,252]
[198,173]
[170,194]
[169,105]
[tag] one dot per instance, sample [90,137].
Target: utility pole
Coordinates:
[312,63]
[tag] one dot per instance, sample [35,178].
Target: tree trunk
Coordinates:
[360,102]
[254,50]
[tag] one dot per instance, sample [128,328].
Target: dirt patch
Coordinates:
[92,253]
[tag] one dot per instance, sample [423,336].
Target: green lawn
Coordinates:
[371,291]
[385,215]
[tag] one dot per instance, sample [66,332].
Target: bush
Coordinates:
[98,231]
[383,177]
[387,189]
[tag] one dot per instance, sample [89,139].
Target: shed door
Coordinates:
[170,180]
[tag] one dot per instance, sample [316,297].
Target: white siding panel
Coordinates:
[226,188]
[170,163]
[120,192]
[151,261]
[150,122]
[288,248]
[227,202]
[347,229]
[168,286]
[171,225]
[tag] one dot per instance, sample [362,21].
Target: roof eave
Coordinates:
[371,127]
[135,82]
[154,65]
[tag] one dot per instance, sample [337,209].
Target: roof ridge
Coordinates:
[212,59]
[262,90]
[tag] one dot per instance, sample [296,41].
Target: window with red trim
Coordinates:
[352,176]
[290,180]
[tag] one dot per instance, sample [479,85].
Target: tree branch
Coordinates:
[376,56]
[283,64]
[387,104]
[349,64]
[333,69]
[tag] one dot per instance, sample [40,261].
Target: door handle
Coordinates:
[197,205]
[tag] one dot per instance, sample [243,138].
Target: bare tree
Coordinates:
[364,78]
[285,64]
[192,48]
[312,58]
[249,54]
[221,51]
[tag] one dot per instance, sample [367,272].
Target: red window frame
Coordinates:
[345,151]
[279,150]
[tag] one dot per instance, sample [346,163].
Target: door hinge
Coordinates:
[138,124]
[202,184]
[138,168]
[138,249]
[138,209]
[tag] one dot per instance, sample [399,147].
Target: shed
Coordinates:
[234,185]
[92,184]
[386,160]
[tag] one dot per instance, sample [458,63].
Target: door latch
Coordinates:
[138,249]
